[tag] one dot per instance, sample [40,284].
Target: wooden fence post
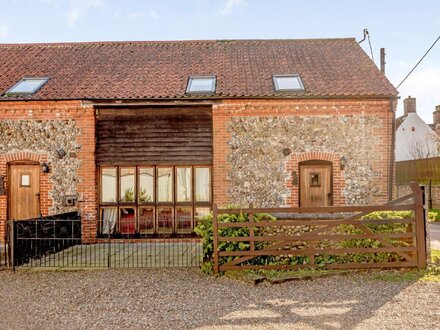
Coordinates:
[215,238]
[420,225]
[251,228]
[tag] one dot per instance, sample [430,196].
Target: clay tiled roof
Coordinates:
[399,121]
[244,68]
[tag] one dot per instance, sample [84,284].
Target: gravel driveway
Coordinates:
[186,299]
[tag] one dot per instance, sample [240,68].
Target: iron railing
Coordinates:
[57,242]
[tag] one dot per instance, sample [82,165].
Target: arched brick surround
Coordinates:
[292,166]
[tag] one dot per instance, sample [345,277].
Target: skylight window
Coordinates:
[288,83]
[27,86]
[201,85]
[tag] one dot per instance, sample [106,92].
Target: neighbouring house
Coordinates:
[417,153]
[415,139]
[143,137]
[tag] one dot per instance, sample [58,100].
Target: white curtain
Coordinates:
[109,217]
[184,190]
[203,184]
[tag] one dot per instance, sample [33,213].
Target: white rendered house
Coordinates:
[415,139]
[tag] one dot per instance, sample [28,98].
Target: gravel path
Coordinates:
[186,299]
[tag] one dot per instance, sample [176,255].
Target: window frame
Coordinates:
[138,187]
[10,91]
[116,202]
[204,203]
[155,205]
[204,92]
[293,75]
[134,186]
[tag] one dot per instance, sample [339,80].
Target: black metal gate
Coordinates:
[56,242]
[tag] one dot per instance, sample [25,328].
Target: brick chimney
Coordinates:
[436,115]
[409,105]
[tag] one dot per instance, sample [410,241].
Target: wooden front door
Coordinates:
[24,192]
[315,185]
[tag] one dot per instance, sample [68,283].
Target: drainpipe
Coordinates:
[392,152]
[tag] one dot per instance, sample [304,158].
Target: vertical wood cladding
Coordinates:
[154,135]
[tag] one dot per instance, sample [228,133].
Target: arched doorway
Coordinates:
[24,190]
[315,183]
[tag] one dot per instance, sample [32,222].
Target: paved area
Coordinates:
[434,232]
[136,255]
[187,299]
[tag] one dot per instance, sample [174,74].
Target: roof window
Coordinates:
[287,82]
[201,85]
[27,86]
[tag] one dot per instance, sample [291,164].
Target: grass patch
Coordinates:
[431,274]
[433,215]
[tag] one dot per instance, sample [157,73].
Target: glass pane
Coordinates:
[146,220]
[184,184]
[203,184]
[27,86]
[109,215]
[201,84]
[146,185]
[108,185]
[164,184]
[127,221]
[165,219]
[202,211]
[288,83]
[127,182]
[25,180]
[184,219]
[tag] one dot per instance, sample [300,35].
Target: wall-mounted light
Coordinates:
[45,168]
[343,162]
[286,152]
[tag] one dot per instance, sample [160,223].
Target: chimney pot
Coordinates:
[436,115]
[409,105]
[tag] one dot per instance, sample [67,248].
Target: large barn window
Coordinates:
[153,200]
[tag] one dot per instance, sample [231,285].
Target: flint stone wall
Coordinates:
[259,167]
[46,137]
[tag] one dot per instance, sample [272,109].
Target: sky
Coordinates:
[406,29]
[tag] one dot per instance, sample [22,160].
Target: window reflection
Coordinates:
[165,219]
[127,182]
[164,184]
[127,221]
[146,185]
[108,185]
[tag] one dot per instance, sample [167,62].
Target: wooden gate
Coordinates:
[333,237]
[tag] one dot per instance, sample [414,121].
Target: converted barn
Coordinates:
[144,137]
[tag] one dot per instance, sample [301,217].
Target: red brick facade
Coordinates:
[223,114]
[56,110]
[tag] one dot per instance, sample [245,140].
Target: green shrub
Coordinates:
[434,215]
[204,229]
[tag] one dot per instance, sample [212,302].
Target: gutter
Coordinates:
[392,152]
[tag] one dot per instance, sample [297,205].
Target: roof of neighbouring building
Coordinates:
[160,70]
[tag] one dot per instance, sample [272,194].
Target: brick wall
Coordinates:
[86,173]
[224,113]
